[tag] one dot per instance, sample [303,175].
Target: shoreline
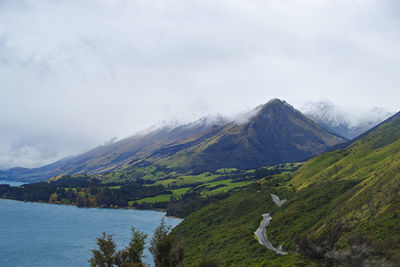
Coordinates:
[95,207]
[7,182]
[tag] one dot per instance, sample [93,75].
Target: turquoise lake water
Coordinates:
[35,234]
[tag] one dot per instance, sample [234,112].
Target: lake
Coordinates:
[11,183]
[36,234]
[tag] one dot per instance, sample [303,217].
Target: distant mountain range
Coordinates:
[337,121]
[115,154]
[272,133]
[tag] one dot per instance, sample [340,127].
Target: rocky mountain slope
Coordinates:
[276,133]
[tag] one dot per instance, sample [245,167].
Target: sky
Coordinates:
[75,73]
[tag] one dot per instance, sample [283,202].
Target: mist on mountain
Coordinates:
[347,124]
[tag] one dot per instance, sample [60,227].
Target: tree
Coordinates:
[104,256]
[131,256]
[166,250]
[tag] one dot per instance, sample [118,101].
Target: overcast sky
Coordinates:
[75,73]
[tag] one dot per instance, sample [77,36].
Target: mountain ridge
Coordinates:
[332,118]
[277,133]
[274,133]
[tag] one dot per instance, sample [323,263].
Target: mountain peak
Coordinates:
[277,101]
[274,103]
[276,108]
[273,106]
[276,133]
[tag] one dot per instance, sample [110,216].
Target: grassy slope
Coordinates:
[224,231]
[358,186]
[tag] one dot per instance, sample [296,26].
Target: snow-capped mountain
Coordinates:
[334,119]
[273,133]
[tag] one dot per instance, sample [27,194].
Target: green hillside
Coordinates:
[224,231]
[343,208]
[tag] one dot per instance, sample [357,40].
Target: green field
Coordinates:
[188,179]
[222,186]
[159,198]
[207,183]
[178,185]
[181,191]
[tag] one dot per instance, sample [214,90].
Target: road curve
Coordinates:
[262,235]
[277,201]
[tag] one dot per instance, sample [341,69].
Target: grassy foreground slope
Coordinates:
[343,207]
[224,231]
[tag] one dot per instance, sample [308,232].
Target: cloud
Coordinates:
[85,71]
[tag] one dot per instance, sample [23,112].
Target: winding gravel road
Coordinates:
[277,201]
[261,231]
[262,236]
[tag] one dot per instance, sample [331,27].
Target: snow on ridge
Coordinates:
[170,125]
[325,111]
[347,124]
